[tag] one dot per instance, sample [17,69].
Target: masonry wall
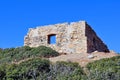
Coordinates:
[75,37]
[94,43]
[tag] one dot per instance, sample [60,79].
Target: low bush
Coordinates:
[43,51]
[26,70]
[33,67]
[105,69]
[39,69]
[66,71]
[16,54]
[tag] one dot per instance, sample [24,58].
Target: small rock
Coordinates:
[90,56]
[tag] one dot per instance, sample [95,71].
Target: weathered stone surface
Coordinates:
[76,37]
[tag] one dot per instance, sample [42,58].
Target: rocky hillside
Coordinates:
[43,63]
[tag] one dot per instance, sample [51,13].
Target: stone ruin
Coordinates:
[75,37]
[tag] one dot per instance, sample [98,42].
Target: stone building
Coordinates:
[75,37]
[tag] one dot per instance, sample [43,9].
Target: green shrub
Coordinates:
[34,68]
[105,69]
[40,69]
[2,71]
[43,51]
[1,50]
[16,54]
[66,71]
[30,69]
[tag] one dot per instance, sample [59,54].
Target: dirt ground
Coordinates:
[82,58]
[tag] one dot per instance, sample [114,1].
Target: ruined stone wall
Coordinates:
[94,43]
[70,38]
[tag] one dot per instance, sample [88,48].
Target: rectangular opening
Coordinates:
[52,39]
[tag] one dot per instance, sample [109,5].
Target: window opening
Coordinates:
[52,39]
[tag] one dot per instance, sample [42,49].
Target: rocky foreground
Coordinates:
[83,58]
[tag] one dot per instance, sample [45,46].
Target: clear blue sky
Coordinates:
[16,16]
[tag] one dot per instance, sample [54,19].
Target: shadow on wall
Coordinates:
[94,43]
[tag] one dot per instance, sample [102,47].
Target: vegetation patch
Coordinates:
[105,69]
[34,67]
[16,54]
